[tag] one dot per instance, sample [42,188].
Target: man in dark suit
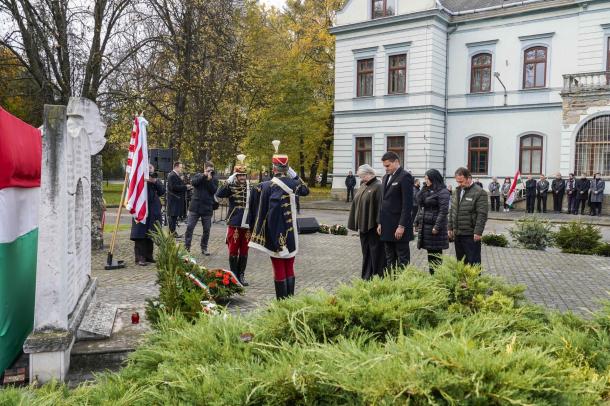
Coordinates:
[395,221]
[530,193]
[176,191]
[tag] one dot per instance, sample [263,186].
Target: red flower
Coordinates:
[212,285]
[225,281]
[234,281]
[218,274]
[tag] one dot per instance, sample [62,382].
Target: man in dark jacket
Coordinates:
[416,190]
[582,193]
[467,218]
[350,184]
[558,187]
[176,191]
[494,194]
[395,221]
[542,190]
[571,192]
[202,207]
[530,193]
[597,194]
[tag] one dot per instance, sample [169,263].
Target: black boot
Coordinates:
[234,265]
[243,261]
[281,289]
[290,285]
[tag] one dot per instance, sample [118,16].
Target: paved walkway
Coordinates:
[558,281]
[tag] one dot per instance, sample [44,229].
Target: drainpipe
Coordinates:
[497,76]
[449,32]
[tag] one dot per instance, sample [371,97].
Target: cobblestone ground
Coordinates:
[557,281]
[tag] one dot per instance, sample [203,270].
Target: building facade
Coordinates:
[492,85]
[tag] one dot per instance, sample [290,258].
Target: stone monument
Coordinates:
[64,287]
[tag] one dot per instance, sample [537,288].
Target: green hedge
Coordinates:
[451,338]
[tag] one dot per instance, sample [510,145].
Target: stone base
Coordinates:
[49,349]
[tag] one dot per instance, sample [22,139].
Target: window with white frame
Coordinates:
[363,151]
[396,143]
[478,155]
[480,73]
[397,74]
[382,8]
[534,67]
[593,147]
[365,77]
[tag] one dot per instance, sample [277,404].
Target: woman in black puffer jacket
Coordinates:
[431,221]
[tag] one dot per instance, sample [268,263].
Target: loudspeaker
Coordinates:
[307,225]
[162,159]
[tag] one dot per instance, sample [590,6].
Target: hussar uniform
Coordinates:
[273,219]
[238,227]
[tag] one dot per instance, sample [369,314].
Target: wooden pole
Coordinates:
[110,264]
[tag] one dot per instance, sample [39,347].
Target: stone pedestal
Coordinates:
[64,287]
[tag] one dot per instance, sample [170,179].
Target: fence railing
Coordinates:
[587,81]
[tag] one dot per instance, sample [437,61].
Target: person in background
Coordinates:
[571,192]
[558,187]
[395,224]
[467,218]
[350,184]
[266,177]
[176,196]
[450,189]
[582,193]
[416,189]
[530,193]
[597,194]
[431,221]
[140,232]
[494,194]
[202,207]
[363,218]
[505,190]
[478,183]
[542,190]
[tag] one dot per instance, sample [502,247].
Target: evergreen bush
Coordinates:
[603,250]
[532,233]
[495,240]
[577,237]
[452,338]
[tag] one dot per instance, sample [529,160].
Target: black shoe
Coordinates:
[290,285]
[281,289]
[242,262]
[205,253]
[234,265]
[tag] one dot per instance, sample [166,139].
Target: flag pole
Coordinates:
[110,262]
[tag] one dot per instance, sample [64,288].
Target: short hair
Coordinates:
[209,164]
[366,170]
[390,156]
[177,164]
[461,171]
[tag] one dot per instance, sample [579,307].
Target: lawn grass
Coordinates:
[109,228]
[112,194]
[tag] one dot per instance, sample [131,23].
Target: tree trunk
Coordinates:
[97,203]
[328,144]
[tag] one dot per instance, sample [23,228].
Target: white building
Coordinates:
[492,85]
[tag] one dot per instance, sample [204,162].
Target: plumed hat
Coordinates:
[279,160]
[241,168]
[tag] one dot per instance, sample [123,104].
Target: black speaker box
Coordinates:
[307,225]
[162,159]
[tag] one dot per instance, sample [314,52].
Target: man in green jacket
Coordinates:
[467,218]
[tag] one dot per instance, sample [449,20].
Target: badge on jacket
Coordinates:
[395,183]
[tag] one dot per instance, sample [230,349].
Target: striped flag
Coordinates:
[512,192]
[137,168]
[20,160]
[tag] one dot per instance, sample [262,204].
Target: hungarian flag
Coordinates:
[514,187]
[137,168]
[20,159]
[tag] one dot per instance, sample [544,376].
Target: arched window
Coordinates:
[530,155]
[534,67]
[478,155]
[480,73]
[593,147]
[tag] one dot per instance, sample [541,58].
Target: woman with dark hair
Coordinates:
[505,191]
[431,221]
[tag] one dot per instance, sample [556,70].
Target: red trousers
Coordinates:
[237,240]
[282,268]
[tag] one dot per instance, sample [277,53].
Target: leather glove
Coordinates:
[231,179]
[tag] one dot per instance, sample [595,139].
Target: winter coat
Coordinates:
[468,215]
[571,187]
[350,181]
[505,189]
[494,189]
[365,207]
[582,189]
[558,186]
[530,187]
[139,231]
[433,214]
[202,202]
[176,191]
[597,190]
[397,206]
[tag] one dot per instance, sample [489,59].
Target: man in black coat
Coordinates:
[542,190]
[395,221]
[582,193]
[350,184]
[530,193]
[558,186]
[176,191]
[205,186]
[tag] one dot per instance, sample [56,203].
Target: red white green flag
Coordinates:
[514,188]
[20,159]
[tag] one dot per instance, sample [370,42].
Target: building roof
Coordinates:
[471,5]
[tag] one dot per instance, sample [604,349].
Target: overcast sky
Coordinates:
[276,3]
